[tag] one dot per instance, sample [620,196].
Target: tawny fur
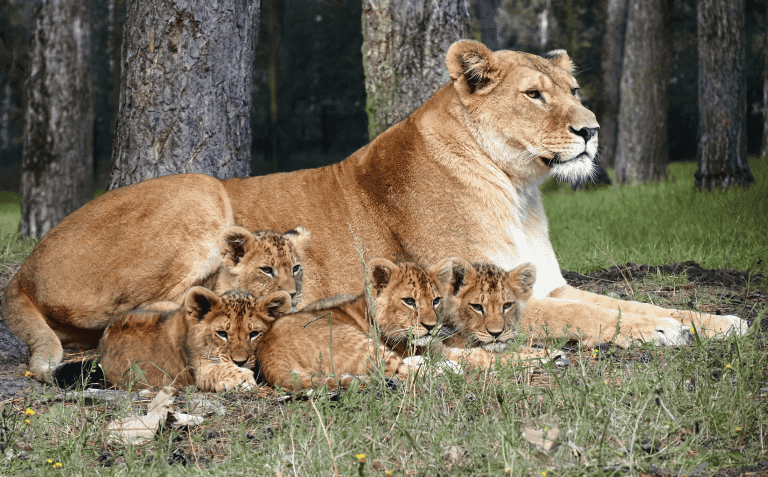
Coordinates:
[483,308]
[71,308]
[333,341]
[209,341]
[458,177]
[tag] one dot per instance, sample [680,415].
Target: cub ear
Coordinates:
[299,237]
[454,275]
[234,242]
[472,67]
[379,272]
[524,276]
[560,59]
[199,301]
[275,305]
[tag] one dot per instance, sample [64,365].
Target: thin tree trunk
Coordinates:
[641,151]
[57,160]
[404,44]
[764,146]
[722,153]
[185,94]
[607,109]
[486,14]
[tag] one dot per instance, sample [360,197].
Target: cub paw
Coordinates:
[242,378]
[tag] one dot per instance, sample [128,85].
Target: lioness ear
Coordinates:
[472,67]
[275,305]
[199,301]
[524,276]
[234,242]
[379,272]
[560,59]
[299,237]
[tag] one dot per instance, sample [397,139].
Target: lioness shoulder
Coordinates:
[336,339]
[209,341]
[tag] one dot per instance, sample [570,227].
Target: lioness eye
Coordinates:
[436,302]
[507,306]
[268,271]
[254,334]
[575,92]
[409,301]
[222,334]
[533,94]
[296,269]
[476,307]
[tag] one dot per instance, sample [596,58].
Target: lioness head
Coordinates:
[483,303]
[262,262]
[406,301]
[228,327]
[522,108]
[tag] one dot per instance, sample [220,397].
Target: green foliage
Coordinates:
[660,223]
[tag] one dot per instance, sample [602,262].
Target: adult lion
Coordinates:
[458,177]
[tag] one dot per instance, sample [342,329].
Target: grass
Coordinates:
[651,410]
[661,223]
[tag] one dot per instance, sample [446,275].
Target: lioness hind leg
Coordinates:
[22,317]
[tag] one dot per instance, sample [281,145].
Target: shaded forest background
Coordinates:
[321,98]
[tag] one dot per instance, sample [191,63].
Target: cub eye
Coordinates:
[410,302]
[476,307]
[534,94]
[222,334]
[436,302]
[296,269]
[575,92]
[507,306]
[268,271]
[254,334]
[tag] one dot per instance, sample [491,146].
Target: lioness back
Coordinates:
[52,312]
[336,339]
[209,341]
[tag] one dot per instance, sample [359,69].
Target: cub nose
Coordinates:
[239,364]
[428,327]
[585,132]
[495,334]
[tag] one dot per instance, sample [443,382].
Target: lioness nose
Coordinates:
[585,132]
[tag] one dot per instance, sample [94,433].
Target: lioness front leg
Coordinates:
[220,377]
[595,318]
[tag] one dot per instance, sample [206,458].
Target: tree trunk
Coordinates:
[722,153]
[185,94]
[486,15]
[57,161]
[641,150]
[612,57]
[764,146]
[404,44]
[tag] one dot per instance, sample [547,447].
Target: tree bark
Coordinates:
[57,159]
[722,153]
[612,57]
[486,14]
[185,94]
[641,150]
[764,146]
[404,44]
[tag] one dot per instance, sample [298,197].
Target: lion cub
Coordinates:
[483,307]
[210,340]
[341,337]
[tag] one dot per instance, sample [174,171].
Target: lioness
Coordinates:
[458,177]
[332,341]
[108,278]
[209,341]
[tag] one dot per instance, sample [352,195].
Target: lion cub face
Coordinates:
[484,303]
[407,301]
[226,329]
[262,262]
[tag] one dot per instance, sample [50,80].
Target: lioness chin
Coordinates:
[458,177]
